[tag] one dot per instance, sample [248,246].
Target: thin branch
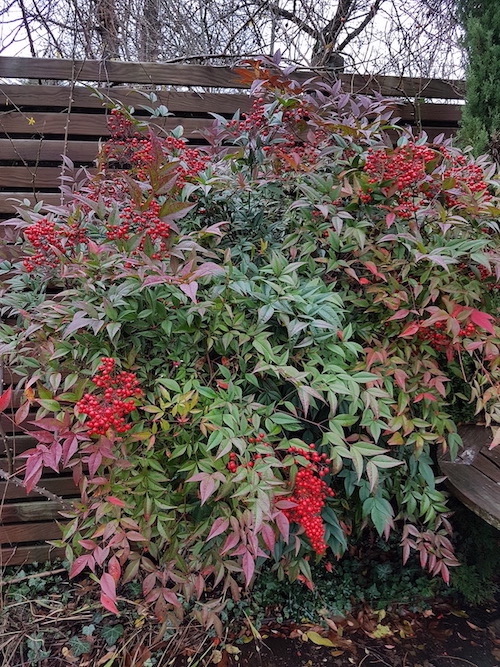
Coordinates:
[368,18]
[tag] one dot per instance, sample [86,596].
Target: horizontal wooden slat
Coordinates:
[488,468]
[60,486]
[30,511]
[7,204]
[21,555]
[79,96]
[30,177]
[37,150]
[16,444]
[206,76]
[29,532]
[475,490]
[94,125]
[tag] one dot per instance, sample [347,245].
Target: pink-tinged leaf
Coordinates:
[94,462]
[483,320]
[219,526]
[248,567]
[170,597]
[53,457]
[70,446]
[231,541]
[78,566]
[100,554]
[406,553]
[114,568]
[200,476]
[108,585]
[410,330]
[21,413]
[399,315]
[34,468]
[5,399]
[190,289]
[109,604]
[445,573]
[389,219]
[148,584]
[135,536]
[285,504]
[474,345]
[208,269]
[87,544]
[46,437]
[400,376]
[496,440]
[268,536]
[116,501]
[283,526]
[207,487]
[429,397]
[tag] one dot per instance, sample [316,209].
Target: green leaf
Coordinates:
[111,633]
[79,646]
[49,404]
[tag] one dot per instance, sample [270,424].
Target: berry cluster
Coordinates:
[120,126]
[51,240]
[146,223]
[405,167]
[309,496]
[440,340]
[233,466]
[109,409]
[485,275]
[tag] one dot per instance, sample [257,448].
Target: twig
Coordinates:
[454,657]
[37,575]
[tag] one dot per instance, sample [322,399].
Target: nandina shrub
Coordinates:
[250,353]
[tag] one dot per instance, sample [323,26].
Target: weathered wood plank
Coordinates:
[38,150]
[8,200]
[492,454]
[61,97]
[475,490]
[44,123]
[31,177]
[60,486]
[29,532]
[488,468]
[207,76]
[30,511]
[21,555]
[16,444]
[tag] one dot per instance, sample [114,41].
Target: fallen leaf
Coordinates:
[316,638]
[216,657]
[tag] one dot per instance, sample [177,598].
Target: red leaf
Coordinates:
[5,399]
[70,446]
[116,501]
[21,413]
[78,565]
[399,315]
[389,219]
[219,526]
[170,597]
[114,568]
[483,320]
[410,330]
[248,567]
[231,541]
[148,584]
[426,395]
[109,604]
[108,586]
[135,536]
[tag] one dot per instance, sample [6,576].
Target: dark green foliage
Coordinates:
[477,545]
[481,117]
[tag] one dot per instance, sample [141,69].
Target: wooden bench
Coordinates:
[474,476]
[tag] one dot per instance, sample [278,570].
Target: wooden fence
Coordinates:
[40,121]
